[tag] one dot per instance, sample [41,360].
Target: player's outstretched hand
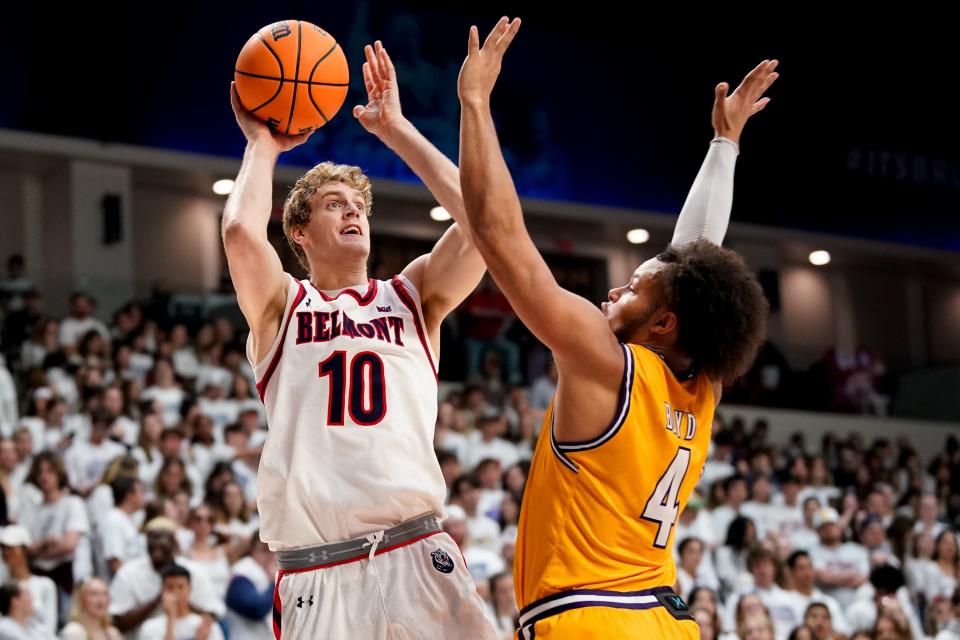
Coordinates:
[731,112]
[482,66]
[382,112]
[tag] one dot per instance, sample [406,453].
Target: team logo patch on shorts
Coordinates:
[442,561]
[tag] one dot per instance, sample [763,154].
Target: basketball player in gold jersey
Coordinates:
[624,442]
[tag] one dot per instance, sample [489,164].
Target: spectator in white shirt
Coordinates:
[885,595]
[821,484]
[484,531]
[56,525]
[482,563]
[86,459]
[802,578]
[135,592]
[503,605]
[147,452]
[819,619]
[450,433]
[80,322]
[89,619]
[873,537]
[234,515]
[123,428]
[786,512]
[718,466]
[942,573]
[695,568]
[14,541]
[841,566]
[450,468]
[185,361]
[784,608]
[486,442]
[731,558]
[177,620]
[16,614]
[759,508]
[166,391]
[119,531]
[735,494]
[9,483]
[695,521]
[491,492]
[806,537]
[8,400]
[929,516]
[44,339]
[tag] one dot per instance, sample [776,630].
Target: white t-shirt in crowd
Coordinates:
[170,399]
[483,563]
[785,607]
[72,330]
[54,519]
[138,583]
[185,628]
[498,449]
[45,600]
[120,537]
[86,462]
[837,618]
[762,515]
[10,629]
[804,539]
[936,583]
[702,527]
[844,557]
[721,517]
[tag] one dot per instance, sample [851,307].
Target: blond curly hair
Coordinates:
[297,208]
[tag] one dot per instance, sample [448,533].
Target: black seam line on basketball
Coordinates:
[275,79]
[310,77]
[296,74]
[279,64]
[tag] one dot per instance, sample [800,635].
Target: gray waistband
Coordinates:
[306,557]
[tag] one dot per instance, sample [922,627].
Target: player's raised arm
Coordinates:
[255,268]
[706,212]
[573,328]
[446,275]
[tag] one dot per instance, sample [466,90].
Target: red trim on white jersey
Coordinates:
[363,300]
[409,303]
[262,385]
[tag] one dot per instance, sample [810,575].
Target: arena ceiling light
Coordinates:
[440,214]
[637,236]
[223,187]
[819,257]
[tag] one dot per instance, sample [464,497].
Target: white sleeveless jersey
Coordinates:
[350,390]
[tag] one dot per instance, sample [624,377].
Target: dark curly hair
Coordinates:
[721,310]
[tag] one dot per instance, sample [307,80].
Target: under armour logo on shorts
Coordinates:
[442,561]
[300,601]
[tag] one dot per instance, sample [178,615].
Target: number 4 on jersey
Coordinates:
[662,507]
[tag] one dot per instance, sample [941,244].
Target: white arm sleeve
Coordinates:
[706,212]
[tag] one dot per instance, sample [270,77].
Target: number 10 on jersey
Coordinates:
[359,388]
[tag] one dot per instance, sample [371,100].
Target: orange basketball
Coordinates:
[293,76]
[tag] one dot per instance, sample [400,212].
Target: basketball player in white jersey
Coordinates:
[349,489]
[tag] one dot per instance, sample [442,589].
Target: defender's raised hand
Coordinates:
[482,66]
[731,112]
